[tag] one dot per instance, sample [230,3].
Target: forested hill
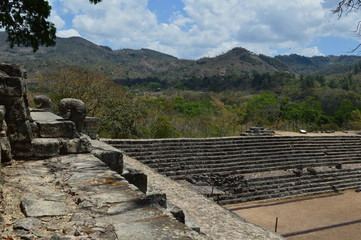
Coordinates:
[127,63]
[144,63]
[319,65]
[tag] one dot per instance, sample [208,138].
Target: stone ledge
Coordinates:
[214,221]
[110,155]
[57,129]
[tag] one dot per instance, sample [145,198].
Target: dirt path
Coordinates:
[324,217]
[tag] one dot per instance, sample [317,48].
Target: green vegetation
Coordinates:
[147,94]
[159,109]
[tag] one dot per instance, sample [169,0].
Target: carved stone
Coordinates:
[74,110]
[43,102]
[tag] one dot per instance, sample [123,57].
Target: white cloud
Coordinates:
[67,33]
[210,27]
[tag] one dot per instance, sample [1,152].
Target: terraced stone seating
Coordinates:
[255,168]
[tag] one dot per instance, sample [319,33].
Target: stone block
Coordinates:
[33,207]
[13,70]
[45,147]
[109,155]
[12,87]
[22,150]
[177,212]
[158,198]
[16,109]
[137,178]
[57,129]
[76,145]
[91,127]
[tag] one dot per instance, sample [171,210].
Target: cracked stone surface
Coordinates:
[79,197]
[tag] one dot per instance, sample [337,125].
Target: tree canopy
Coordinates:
[26,22]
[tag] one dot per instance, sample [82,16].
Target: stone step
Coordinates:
[221,158]
[248,163]
[311,182]
[324,174]
[244,159]
[261,146]
[214,151]
[176,175]
[299,190]
[307,186]
[51,125]
[211,141]
[271,166]
[41,148]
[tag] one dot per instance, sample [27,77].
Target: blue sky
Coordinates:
[191,29]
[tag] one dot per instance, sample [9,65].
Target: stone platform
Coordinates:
[79,197]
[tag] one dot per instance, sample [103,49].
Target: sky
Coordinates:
[192,29]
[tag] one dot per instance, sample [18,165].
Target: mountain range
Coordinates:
[143,63]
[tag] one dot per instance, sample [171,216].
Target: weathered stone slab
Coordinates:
[57,129]
[160,228]
[114,197]
[143,213]
[44,116]
[33,207]
[109,155]
[27,224]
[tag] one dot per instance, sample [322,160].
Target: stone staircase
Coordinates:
[255,168]
[52,136]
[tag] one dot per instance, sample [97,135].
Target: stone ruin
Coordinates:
[38,134]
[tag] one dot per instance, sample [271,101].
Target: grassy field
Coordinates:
[328,217]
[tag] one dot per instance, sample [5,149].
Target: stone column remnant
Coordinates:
[74,110]
[13,96]
[4,141]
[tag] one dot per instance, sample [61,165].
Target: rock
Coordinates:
[33,207]
[193,225]
[76,145]
[338,166]
[158,198]
[177,212]
[27,224]
[312,171]
[298,171]
[137,178]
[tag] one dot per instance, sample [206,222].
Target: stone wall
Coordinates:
[13,96]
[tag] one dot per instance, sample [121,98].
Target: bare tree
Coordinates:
[345,7]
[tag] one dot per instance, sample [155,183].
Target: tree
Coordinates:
[346,6]
[263,109]
[25,22]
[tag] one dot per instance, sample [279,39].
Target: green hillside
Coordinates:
[319,64]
